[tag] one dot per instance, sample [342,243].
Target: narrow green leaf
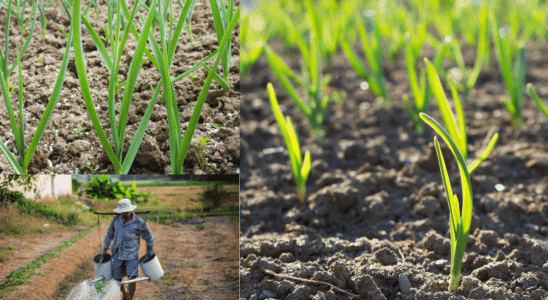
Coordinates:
[453,205]
[11,159]
[98,44]
[294,143]
[461,141]
[441,99]
[305,171]
[84,85]
[219,79]
[21,116]
[139,134]
[486,152]
[133,72]
[535,97]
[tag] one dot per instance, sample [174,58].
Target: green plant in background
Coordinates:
[18,8]
[420,90]
[91,167]
[25,155]
[201,155]
[213,194]
[188,17]
[199,226]
[78,131]
[301,167]
[121,164]
[459,224]
[76,184]
[533,94]
[222,16]
[316,103]
[455,127]
[254,33]
[43,21]
[102,187]
[514,77]
[372,49]
[469,77]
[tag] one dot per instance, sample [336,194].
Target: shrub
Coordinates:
[213,194]
[76,185]
[104,187]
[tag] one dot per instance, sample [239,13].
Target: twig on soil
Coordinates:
[402,257]
[311,281]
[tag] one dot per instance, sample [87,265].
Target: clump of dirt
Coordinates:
[71,146]
[375,222]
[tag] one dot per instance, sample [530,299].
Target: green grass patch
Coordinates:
[4,255]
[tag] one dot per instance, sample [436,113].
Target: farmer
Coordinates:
[125,229]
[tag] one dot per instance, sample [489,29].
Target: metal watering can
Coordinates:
[151,267]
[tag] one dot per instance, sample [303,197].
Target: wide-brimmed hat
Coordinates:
[124,205]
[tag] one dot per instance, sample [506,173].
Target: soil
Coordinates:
[376,212]
[69,152]
[188,256]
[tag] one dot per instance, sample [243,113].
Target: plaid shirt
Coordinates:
[126,237]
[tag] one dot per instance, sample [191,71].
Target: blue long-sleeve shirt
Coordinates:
[126,237]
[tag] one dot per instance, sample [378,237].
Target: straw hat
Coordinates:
[124,205]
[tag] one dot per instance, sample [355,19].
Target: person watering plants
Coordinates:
[125,229]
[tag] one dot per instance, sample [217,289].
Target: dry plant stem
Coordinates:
[312,281]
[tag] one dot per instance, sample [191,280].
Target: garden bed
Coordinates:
[70,145]
[376,207]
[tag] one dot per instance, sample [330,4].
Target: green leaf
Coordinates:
[535,97]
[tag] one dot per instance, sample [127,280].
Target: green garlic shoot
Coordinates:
[301,168]
[459,224]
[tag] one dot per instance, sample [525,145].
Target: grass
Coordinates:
[4,255]
[16,223]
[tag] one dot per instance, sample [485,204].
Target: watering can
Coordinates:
[151,267]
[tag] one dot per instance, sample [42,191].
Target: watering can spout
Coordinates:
[135,280]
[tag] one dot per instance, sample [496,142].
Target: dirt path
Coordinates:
[212,252]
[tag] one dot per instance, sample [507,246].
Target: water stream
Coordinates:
[87,291]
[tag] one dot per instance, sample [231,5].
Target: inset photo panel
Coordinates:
[119,87]
[119,237]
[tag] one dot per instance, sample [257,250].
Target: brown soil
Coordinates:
[376,209]
[214,249]
[70,153]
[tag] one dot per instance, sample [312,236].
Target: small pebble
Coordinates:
[405,285]
[499,187]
